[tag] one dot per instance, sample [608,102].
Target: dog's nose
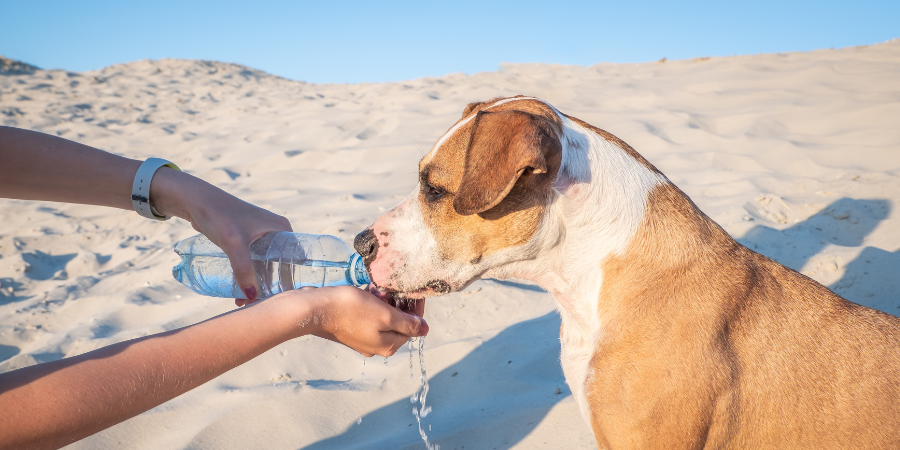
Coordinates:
[366,244]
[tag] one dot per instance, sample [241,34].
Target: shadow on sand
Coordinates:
[872,279]
[510,379]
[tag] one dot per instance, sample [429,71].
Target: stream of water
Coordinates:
[420,396]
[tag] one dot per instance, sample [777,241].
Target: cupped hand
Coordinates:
[229,222]
[357,319]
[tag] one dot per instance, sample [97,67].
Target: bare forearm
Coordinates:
[54,404]
[36,166]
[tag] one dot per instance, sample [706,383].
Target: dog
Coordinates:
[673,335]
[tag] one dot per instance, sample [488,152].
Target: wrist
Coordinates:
[301,312]
[171,192]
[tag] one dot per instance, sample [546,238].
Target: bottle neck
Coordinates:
[357,271]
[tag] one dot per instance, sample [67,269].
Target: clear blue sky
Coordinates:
[349,41]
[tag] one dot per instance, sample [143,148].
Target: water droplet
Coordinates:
[359,421]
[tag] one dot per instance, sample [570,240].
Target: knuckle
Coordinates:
[233,238]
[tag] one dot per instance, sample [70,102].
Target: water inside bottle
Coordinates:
[281,276]
[212,275]
[282,262]
[204,275]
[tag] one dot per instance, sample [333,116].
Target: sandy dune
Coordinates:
[797,155]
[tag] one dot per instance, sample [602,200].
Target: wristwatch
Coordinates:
[140,191]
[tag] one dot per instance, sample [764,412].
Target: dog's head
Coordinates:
[482,193]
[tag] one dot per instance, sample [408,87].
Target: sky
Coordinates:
[354,41]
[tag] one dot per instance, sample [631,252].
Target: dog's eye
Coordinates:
[433,193]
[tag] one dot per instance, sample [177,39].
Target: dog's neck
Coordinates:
[600,200]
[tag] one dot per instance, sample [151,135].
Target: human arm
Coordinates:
[37,166]
[50,405]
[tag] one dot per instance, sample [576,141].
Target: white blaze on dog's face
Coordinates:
[482,193]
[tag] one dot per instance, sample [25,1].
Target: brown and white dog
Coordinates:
[673,335]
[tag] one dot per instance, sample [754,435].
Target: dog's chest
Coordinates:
[577,346]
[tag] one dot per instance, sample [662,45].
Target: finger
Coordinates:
[285,224]
[268,223]
[418,307]
[408,324]
[390,343]
[243,271]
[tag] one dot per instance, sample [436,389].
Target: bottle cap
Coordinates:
[358,275]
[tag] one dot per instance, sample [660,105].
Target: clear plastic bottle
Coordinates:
[283,261]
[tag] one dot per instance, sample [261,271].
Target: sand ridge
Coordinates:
[795,154]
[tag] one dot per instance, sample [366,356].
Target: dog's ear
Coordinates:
[502,147]
[470,107]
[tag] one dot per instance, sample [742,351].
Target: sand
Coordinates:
[797,155]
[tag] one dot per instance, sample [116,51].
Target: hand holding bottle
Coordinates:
[226,220]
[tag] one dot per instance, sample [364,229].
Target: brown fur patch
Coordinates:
[533,107]
[470,107]
[488,167]
[504,146]
[710,345]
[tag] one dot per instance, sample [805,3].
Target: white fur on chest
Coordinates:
[577,346]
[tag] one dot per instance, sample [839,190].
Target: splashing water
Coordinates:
[420,396]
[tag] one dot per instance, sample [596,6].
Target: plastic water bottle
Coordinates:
[283,261]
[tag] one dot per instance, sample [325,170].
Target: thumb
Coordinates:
[243,271]
[408,324]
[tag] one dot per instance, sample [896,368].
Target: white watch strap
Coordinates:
[140,191]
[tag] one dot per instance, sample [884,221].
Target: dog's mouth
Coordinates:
[399,300]
[412,302]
